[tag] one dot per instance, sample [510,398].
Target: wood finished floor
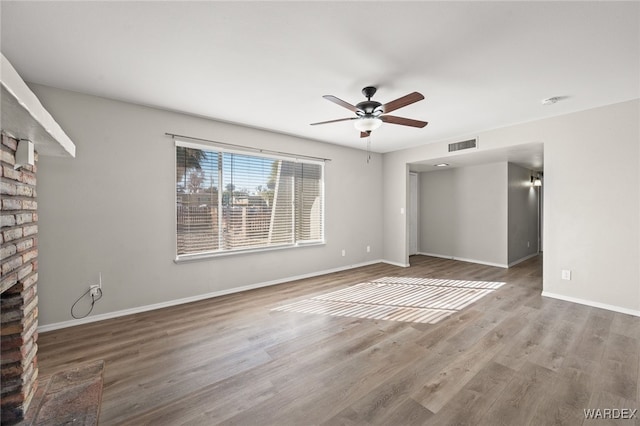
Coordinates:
[512,358]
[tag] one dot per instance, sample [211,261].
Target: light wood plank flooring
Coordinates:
[512,358]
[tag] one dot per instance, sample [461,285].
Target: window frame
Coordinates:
[212,147]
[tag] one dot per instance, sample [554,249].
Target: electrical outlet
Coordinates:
[566,274]
[344,252]
[94,290]
[368,249]
[528,244]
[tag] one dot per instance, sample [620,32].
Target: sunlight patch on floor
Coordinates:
[408,299]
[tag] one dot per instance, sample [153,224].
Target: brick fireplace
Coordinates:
[18,289]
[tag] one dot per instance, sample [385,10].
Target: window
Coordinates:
[229,201]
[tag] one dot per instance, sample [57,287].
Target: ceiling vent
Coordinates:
[468,144]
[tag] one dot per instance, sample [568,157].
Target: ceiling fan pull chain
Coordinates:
[369,148]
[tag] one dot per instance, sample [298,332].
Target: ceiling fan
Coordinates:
[371,114]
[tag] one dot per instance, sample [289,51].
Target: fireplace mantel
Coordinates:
[24,117]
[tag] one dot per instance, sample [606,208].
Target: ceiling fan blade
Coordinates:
[364,134]
[402,102]
[403,121]
[340,102]
[335,121]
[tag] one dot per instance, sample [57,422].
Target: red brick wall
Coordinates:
[18,289]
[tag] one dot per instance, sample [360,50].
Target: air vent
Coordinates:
[469,144]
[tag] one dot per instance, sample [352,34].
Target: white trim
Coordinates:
[391,262]
[212,254]
[140,309]
[463,259]
[591,303]
[522,259]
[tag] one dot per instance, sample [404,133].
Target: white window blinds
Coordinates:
[228,201]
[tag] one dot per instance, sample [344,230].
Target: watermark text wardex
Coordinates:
[610,413]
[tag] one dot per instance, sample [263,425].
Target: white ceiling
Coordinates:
[480,65]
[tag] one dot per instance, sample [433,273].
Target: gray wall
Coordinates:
[591,224]
[111,209]
[463,213]
[522,215]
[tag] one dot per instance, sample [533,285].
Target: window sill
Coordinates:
[186,258]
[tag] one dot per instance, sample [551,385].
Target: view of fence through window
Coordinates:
[233,201]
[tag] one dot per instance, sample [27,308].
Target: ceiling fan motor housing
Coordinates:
[369,108]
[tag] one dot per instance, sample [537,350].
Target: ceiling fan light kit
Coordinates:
[367,124]
[371,114]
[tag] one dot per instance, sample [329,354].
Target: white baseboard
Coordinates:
[522,259]
[462,259]
[592,303]
[390,262]
[139,309]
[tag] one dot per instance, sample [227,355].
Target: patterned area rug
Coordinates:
[69,397]
[423,300]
